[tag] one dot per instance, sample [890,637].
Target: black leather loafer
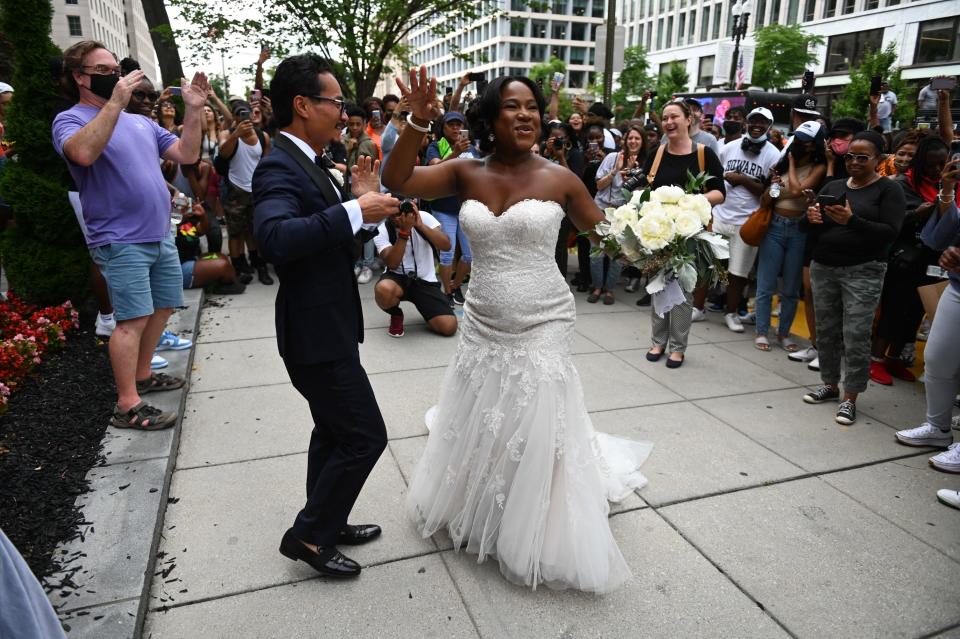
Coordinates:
[327,561]
[356,535]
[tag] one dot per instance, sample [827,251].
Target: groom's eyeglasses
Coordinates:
[339,103]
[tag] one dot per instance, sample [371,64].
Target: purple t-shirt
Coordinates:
[123,194]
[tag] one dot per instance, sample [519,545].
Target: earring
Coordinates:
[490,137]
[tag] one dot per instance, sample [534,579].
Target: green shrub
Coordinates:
[43,253]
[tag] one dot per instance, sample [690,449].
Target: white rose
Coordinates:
[668,194]
[687,223]
[617,227]
[635,198]
[656,231]
[699,204]
[627,212]
[672,210]
[651,206]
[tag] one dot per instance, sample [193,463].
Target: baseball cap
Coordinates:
[616,133]
[806,104]
[693,102]
[763,112]
[5,88]
[453,115]
[809,132]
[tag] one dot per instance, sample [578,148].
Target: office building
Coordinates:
[118,24]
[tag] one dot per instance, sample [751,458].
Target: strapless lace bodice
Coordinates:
[516,290]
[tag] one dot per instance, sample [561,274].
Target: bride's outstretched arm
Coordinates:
[401,175]
[583,211]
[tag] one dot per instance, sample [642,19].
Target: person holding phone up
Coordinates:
[851,224]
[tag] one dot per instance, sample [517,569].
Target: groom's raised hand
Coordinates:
[365,176]
[376,206]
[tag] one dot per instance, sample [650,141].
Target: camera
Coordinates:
[406,206]
[559,143]
[635,179]
[242,113]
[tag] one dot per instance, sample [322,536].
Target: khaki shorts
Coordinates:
[742,255]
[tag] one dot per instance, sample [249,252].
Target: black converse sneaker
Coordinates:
[822,394]
[846,413]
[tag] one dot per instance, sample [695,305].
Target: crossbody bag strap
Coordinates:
[701,160]
[651,176]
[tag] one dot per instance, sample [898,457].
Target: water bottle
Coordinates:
[775,188]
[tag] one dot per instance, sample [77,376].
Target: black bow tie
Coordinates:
[324,162]
[752,147]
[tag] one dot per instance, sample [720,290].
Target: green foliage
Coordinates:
[544,73]
[362,35]
[674,81]
[43,253]
[783,53]
[854,102]
[635,77]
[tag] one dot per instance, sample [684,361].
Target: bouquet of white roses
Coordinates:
[663,233]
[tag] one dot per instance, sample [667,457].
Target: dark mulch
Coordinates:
[49,438]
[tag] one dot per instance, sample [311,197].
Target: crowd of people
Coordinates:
[861,216]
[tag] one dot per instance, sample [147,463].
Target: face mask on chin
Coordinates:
[839,147]
[102,85]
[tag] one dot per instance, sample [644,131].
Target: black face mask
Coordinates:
[102,85]
[732,127]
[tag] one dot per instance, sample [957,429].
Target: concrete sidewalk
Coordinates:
[763,517]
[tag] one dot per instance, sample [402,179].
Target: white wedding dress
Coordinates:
[513,468]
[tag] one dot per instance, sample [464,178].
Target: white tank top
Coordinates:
[242,164]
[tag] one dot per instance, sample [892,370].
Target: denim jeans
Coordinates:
[780,250]
[597,266]
[450,223]
[368,257]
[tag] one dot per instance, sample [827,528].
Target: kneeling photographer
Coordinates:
[406,242]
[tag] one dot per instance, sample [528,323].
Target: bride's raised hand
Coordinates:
[421,95]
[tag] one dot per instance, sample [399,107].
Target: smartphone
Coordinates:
[540,83]
[477,76]
[653,94]
[558,78]
[807,82]
[935,271]
[264,47]
[464,134]
[875,85]
[593,147]
[256,95]
[375,117]
[943,84]
[831,200]
[449,90]
[955,151]
[174,90]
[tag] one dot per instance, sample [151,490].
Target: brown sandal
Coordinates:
[142,417]
[159,382]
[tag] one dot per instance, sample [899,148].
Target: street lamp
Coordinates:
[741,15]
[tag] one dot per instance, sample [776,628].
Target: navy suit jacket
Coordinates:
[303,229]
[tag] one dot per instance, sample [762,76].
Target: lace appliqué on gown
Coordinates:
[513,468]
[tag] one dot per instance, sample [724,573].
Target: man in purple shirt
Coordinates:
[113,157]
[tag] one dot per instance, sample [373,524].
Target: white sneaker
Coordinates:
[158,362]
[948,460]
[733,322]
[698,315]
[632,285]
[925,435]
[814,364]
[105,328]
[949,497]
[365,275]
[807,354]
[356,270]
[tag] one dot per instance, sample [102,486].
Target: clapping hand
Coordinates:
[365,176]
[421,94]
[195,94]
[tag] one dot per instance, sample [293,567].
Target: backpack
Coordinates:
[221,163]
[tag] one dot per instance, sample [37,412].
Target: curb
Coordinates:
[111,564]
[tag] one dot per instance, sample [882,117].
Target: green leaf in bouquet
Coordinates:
[687,277]
[696,183]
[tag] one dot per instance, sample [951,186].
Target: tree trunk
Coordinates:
[161,33]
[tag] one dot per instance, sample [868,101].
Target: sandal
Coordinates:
[159,382]
[142,417]
[787,344]
[761,343]
[608,299]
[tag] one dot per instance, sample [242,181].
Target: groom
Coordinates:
[305,224]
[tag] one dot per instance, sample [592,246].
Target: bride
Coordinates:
[513,468]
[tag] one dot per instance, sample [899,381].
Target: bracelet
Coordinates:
[949,196]
[403,234]
[415,126]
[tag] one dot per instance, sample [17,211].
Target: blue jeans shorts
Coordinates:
[141,278]
[187,268]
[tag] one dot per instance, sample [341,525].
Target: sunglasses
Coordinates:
[145,95]
[857,157]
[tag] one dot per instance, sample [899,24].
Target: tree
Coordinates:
[543,73]
[635,77]
[674,81]
[171,70]
[43,252]
[359,35]
[783,53]
[854,102]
